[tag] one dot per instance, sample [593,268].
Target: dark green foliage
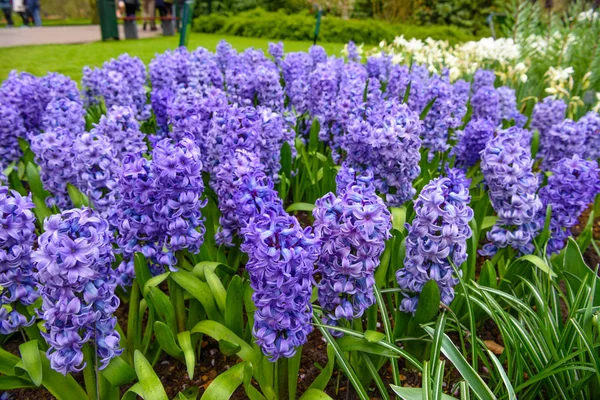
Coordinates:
[470,14]
[279,25]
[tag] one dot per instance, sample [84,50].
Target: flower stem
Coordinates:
[282,378]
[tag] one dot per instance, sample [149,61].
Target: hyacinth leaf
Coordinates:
[324,376]
[15,183]
[78,198]
[577,270]
[226,383]
[62,387]
[427,108]
[315,394]
[429,304]
[487,276]
[585,237]
[228,349]
[313,141]
[408,393]
[185,341]
[373,336]
[505,379]
[15,382]
[343,361]
[152,388]
[142,272]
[352,343]
[398,218]
[7,362]
[308,207]
[163,307]
[219,332]
[539,263]
[166,340]
[535,143]
[475,382]
[188,394]
[32,361]
[235,306]
[34,181]
[118,372]
[213,266]
[41,210]
[488,222]
[200,290]
[286,159]
[218,291]
[133,393]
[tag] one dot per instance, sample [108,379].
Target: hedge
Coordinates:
[279,25]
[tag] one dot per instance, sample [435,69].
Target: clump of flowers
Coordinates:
[483,78]
[323,93]
[24,92]
[77,287]
[471,141]
[437,238]
[204,70]
[281,258]
[353,228]
[158,212]
[486,104]
[18,279]
[563,140]
[508,106]
[590,126]
[390,147]
[121,127]
[96,165]
[570,190]
[276,51]
[547,114]
[53,151]
[64,113]
[11,129]
[295,69]
[506,166]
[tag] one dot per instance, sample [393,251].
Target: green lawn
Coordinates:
[70,59]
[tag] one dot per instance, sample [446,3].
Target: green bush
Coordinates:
[279,25]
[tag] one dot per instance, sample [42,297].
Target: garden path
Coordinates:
[25,36]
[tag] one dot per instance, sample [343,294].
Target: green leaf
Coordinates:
[351,343]
[226,383]
[30,354]
[509,387]
[151,386]
[163,307]
[166,340]
[133,393]
[409,393]
[313,141]
[15,382]
[78,198]
[322,380]
[34,181]
[398,218]
[142,272]
[466,371]
[374,336]
[200,290]
[228,349]
[7,362]
[41,210]
[234,311]
[188,394]
[488,222]
[118,372]
[286,159]
[185,341]
[315,394]
[427,108]
[217,289]
[212,265]
[538,262]
[300,207]
[220,332]
[487,276]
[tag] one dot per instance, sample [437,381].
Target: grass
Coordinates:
[71,58]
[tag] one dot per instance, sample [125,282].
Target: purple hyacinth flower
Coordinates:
[437,238]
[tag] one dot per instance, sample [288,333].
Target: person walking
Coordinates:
[18,6]
[7,10]
[131,7]
[33,11]
[149,10]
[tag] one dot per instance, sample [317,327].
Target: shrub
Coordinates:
[279,25]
